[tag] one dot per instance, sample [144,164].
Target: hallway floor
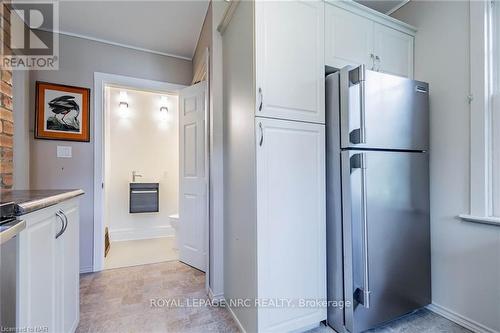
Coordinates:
[119,300]
[421,321]
[141,252]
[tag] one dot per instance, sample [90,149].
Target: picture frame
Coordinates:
[62,112]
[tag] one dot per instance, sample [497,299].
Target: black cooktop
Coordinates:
[7,211]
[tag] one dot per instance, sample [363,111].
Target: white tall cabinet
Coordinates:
[356,35]
[275,241]
[48,279]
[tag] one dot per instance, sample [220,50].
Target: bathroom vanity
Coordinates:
[144,198]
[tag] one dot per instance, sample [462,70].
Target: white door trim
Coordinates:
[208,166]
[100,81]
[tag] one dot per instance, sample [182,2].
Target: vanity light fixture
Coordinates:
[163,103]
[123,100]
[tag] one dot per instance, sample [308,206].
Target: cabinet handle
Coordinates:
[377,60]
[261,135]
[58,214]
[65,218]
[261,98]
[372,57]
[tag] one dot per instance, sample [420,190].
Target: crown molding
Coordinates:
[127,46]
[373,15]
[228,15]
[399,5]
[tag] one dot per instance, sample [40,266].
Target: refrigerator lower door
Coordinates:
[385,217]
[382,111]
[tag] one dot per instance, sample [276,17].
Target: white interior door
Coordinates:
[193,210]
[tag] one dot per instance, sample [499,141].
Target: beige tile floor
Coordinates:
[141,252]
[420,321]
[119,300]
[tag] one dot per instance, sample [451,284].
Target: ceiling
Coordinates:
[383,6]
[167,27]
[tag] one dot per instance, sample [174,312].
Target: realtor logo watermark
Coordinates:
[27,39]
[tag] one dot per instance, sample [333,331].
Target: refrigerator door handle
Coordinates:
[364,215]
[357,76]
[358,161]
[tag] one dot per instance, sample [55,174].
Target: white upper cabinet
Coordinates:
[289,52]
[356,35]
[348,38]
[395,51]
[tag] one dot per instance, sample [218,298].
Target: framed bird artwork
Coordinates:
[62,112]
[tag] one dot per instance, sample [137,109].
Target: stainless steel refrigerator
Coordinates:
[378,232]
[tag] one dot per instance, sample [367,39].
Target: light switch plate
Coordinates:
[64,152]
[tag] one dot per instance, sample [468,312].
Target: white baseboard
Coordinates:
[125,234]
[460,319]
[236,320]
[86,269]
[215,297]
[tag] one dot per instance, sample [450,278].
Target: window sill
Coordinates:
[481,219]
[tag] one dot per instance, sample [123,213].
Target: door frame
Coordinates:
[101,80]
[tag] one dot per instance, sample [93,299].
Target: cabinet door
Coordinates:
[395,50]
[348,38]
[68,268]
[290,60]
[37,280]
[291,231]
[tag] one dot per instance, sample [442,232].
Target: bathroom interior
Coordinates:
[141,139]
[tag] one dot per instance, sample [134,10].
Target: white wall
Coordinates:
[240,206]
[216,241]
[465,256]
[79,59]
[143,139]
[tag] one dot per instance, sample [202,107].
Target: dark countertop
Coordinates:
[28,201]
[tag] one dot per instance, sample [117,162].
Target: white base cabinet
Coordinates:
[48,271]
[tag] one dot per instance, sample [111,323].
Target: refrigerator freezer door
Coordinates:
[383,111]
[385,211]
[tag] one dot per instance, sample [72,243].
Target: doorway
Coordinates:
[141,175]
[151,173]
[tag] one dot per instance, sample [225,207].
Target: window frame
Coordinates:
[494,92]
[480,98]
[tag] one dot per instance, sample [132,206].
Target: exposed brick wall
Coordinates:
[6,115]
